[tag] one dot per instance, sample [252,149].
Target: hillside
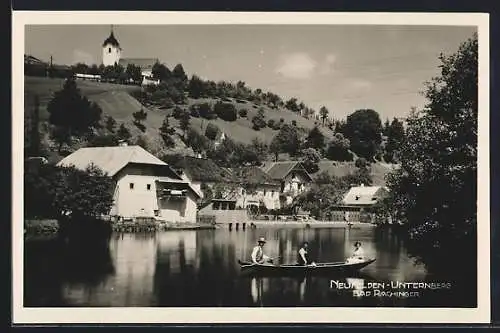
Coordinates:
[45,87]
[340,169]
[116,101]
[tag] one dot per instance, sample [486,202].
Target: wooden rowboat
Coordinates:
[329,268]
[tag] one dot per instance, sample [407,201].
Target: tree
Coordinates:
[291,105]
[134,73]
[71,114]
[160,72]
[260,148]
[315,139]
[81,68]
[363,129]
[258,123]
[166,132]
[139,117]
[286,141]
[106,140]
[211,131]
[184,123]
[110,124]
[196,87]
[395,136]
[198,142]
[338,149]
[57,192]
[310,159]
[323,112]
[434,190]
[243,113]
[225,111]
[123,133]
[180,78]
[34,142]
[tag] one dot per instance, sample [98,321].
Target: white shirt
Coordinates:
[302,253]
[358,252]
[257,254]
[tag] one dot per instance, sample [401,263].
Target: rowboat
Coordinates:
[329,268]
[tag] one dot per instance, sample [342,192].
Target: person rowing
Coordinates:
[303,256]
[258,256]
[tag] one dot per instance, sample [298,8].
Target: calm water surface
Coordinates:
[199,268]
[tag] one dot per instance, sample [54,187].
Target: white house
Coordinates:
[145,185]
[364,196]
[256,188]
[291,175]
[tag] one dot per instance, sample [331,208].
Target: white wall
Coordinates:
[180,210]
[138,201]
[268,194]
[110,58]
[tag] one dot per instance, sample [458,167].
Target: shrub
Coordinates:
[270,123]
[211,131]
[193,111]
[205,110]
[178,112]
[225,111]
[361,163]
[243,113]
[258,123]
[294,122]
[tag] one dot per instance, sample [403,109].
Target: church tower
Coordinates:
[111,50]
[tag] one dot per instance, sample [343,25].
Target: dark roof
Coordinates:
[200,169]
[143,63]
[111,40]
[279,170]
[253,175]
[29,59]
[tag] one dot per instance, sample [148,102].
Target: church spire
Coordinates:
[111,39]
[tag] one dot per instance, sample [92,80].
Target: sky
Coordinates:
[343,67]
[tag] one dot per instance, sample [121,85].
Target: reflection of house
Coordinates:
[293,178]
[145,185]
[256,188]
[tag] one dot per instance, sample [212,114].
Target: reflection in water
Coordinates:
[199,268]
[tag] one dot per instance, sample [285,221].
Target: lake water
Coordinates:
[199,268]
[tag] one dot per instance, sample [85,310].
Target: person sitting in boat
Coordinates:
[358,254]
[303,256]
[258,256]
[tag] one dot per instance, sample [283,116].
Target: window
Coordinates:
[265,192]
[131,186]
[272,193]
[148,187]
[109,50]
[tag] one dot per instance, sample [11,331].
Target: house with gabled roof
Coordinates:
[364,196]
[145,186]
[200,171]
[292,176]
[256,188]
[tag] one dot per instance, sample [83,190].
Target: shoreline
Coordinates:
[301,224]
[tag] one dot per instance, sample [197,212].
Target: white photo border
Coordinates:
[191,315]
